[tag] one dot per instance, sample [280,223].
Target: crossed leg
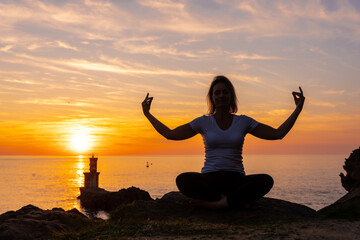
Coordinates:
[223,189]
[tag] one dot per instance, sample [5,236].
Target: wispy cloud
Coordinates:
[175,17]
[96,66]
[22,81]
[66,45]
[319,51]
[256,57]
[336,92]
[244,78]
[60,101]
[323,104]
[6,48]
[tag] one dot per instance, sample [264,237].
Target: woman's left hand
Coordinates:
[299,98]
[146,104]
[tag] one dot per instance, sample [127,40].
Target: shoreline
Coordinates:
[172,217]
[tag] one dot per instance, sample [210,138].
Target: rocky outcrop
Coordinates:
[175,206]
[31,222]
[100,199]
[136,204]
[347,206]
[34,223]
[351,181]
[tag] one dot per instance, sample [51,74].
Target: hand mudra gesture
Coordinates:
[299,98]
[146,103]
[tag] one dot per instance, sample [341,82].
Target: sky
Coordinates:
[73,74]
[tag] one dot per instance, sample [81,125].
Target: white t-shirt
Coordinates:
[223,148]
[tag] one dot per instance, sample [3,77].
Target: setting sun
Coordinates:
[80,139]
[80,143]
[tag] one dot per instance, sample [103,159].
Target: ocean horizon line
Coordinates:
[141,155]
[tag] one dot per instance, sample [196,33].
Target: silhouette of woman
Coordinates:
[222,182]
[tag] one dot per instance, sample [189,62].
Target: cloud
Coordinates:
[6,48]
[22,81]
[66,46]
[323,104]
[256,57]
[304,19]
[153,49]
[59,101]
[41,62]
[16,89]
[319,51]
[248,6]
[244,78]
[98,66]
[115,66]
[175,17]
[92,20]
[165,6]
[335,92]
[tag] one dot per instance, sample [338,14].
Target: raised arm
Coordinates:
[180,133]
[266,132]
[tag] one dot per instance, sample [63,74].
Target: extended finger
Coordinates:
[302,93]
[149,100]
[147,95]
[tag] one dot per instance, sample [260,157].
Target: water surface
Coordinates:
[54,181]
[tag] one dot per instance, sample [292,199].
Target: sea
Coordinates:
[54,181]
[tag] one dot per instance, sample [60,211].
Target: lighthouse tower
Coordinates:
[92,177]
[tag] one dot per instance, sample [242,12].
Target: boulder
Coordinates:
[176,206]
[100,199]
[31,222]
[347,206]
[351,181]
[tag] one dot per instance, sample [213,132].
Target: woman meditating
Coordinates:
[222,182]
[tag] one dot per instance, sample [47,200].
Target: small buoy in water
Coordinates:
[147,164]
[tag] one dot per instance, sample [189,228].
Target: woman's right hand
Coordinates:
[146,104]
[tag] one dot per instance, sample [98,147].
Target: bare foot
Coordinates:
[221,204]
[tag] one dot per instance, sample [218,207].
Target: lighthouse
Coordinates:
[92,177]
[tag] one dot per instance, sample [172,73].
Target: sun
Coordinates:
[80,143]
[80,139]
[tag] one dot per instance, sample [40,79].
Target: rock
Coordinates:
[352,167]
[100,199]
[347,206]
[349,209]
[175,206]
[31,222]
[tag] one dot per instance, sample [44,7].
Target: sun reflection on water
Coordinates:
[80,169]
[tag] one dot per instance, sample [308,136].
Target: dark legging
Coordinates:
[237,187]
